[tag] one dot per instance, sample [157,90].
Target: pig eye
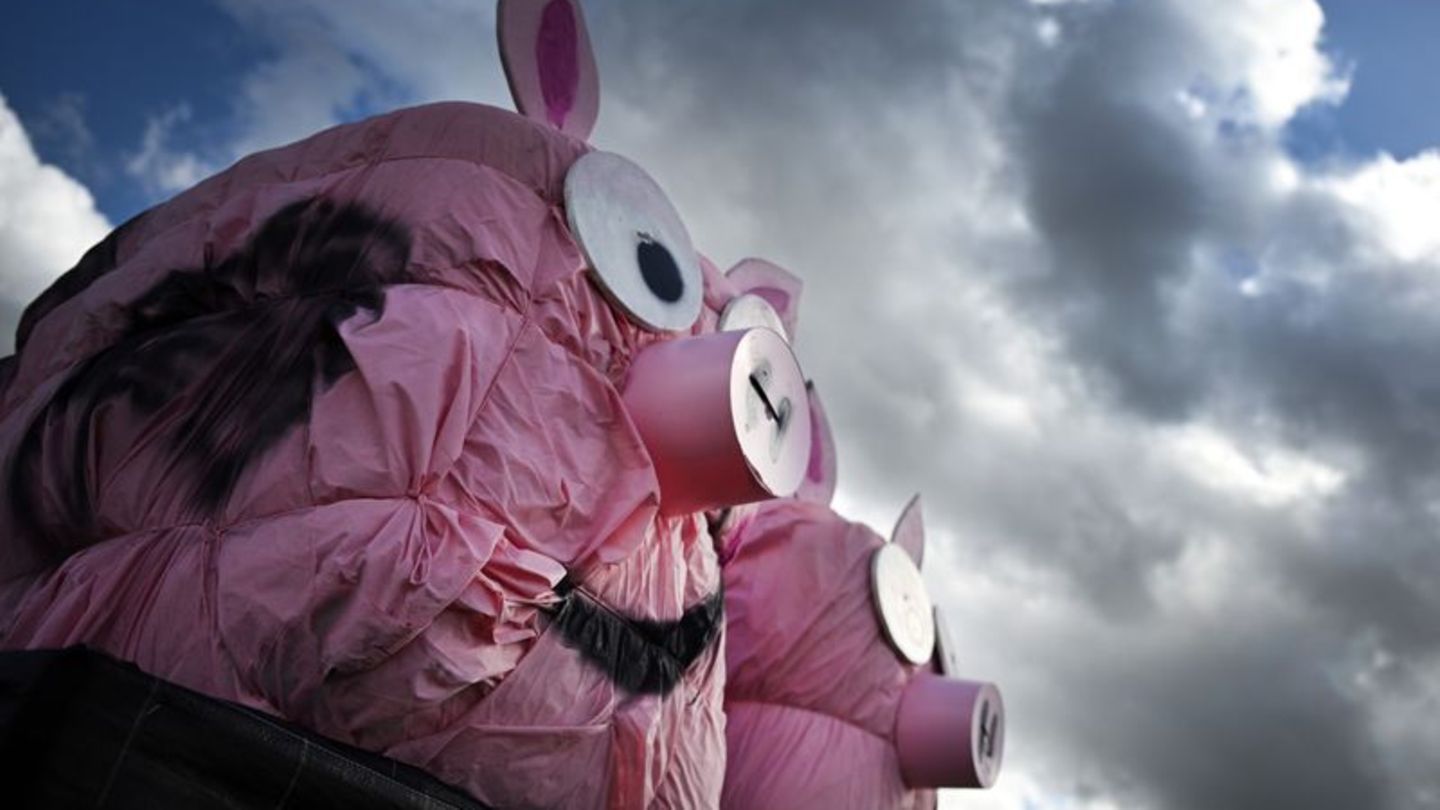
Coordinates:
[634,242]
[902,604]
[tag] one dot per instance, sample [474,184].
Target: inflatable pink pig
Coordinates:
[405,432]
[838,695]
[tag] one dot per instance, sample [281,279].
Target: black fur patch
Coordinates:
[641,656]
[247,343]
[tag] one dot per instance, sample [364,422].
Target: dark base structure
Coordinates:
[79,729]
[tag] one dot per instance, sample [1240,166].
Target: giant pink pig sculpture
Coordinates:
[839,692]
[372,432]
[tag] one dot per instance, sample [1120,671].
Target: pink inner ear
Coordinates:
[816,470]
[556,52]
[822,444]
[772,283]
[820,473]
[778,298]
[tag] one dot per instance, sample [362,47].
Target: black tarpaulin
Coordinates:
[79,729]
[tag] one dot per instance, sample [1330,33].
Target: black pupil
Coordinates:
[659,270]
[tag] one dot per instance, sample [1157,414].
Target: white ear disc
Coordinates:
[902,603]
[945,649]
[634,241]
[749,311]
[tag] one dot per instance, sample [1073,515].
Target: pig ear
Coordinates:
[545,51]
[818,485]
[772,283]
[718,288]
[909,531]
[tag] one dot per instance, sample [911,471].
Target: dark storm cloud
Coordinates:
[1124,193]
[1123,188]
[1119,196]
[1216,723]
[1347,363]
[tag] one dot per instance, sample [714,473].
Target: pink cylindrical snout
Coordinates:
[950,732]
[724,417]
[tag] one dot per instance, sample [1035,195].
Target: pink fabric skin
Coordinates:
[813,687]
[379,574]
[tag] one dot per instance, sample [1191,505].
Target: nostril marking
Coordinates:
[782,415]
[759,388]
[989,724]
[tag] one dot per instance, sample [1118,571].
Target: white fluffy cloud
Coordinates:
[47,220]
[162,168]
[1261,56]
[331,58]
[1395,203]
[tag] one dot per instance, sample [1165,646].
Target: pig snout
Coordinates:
[723,416]
[949,732]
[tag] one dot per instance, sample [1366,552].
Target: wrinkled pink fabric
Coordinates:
[813,687]
[380,573]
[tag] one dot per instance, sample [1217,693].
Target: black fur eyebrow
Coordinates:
[250,340]
[641,656]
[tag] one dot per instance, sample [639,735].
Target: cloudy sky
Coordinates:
[1142,294]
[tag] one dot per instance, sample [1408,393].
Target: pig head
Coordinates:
[833,699]
[351,433]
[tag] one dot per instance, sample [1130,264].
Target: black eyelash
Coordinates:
[641,656]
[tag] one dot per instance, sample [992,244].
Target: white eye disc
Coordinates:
[902,603]
[638,249]
[749,311]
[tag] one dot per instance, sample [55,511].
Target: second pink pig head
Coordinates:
[841,691]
